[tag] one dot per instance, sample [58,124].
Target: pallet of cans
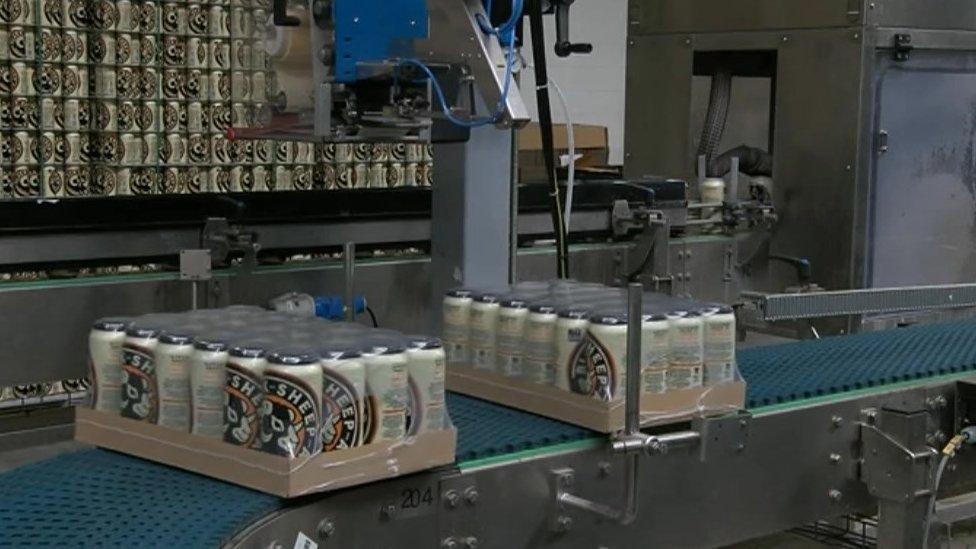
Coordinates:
[559,349]
[280,403]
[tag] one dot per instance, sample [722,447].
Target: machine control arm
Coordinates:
[564,46]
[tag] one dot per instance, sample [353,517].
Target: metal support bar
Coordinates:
[773,307]
[349,269]
[635,315]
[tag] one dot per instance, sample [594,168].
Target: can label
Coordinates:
[341,416]
[593,369]
[719,373]
[289,417]
[684,377]
[140,391]
[244,398]
[655,381]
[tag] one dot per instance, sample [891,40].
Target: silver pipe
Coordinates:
[635,313]
[733,190]
[194,295]
[349,268]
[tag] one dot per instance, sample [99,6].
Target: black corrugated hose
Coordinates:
[718,114]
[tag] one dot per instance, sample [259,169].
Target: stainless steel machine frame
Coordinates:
[747,476]
[842,189]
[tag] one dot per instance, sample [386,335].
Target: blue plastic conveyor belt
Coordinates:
[797,371]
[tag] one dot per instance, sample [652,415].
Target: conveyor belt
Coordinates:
[97,497]
[797,371]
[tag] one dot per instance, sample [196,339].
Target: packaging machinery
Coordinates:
[847,426]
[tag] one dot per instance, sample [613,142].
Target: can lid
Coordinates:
[692,314]
[293,358]
[512,302]
[543,308]
[384,346]
[175,338]
[460,293]
[142,331]
[111,324]
[487,297]
[655,317]
[575,313]
[340,354]
[677,314]
[424,343]
[725,310]
[211,344]
[609,319]
[247,351]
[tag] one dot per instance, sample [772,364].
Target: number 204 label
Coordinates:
[415,501]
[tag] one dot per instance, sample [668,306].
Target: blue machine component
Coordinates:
[333,307]
[371,31]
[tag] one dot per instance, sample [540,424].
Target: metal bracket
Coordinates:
[650,252]
[723,437]
[222,239]
[896,465]
[902,47]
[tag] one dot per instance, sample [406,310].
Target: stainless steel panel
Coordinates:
[923,201]
[933,14]
[798,465]
[692,16]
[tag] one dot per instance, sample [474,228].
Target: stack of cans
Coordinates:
[137,97]
[284,384]
[573,336]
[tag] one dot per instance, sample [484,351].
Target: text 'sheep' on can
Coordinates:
[291,412]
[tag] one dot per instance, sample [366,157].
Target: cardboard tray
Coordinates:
[597,415]
[260,471]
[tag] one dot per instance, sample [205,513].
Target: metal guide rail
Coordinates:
[96,496]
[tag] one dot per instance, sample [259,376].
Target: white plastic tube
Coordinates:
[571,142]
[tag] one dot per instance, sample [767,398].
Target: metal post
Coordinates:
[733,190]
[349,268]
[635,314]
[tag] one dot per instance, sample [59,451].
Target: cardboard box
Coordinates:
[604,417]
[592,143]
[261,471]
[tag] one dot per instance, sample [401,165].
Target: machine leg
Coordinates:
[902,524]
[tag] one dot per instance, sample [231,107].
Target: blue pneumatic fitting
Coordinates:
[333,307]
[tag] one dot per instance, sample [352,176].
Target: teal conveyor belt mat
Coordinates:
[781,374]
[101,498]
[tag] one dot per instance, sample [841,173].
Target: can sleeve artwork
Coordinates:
[140,391]
[341,413]
[289,417]
[386,403]
[595,370]
[245,395]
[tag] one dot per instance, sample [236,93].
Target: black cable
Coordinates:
[372,317]
[545,127]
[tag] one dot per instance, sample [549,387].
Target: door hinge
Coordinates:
[902,47]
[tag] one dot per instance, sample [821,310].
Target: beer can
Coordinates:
[343,399]
[132,147]
[512,316]
[196,85]
[105,342]
[219,56]
[261,180]
[123,178]
[4,44]
[150,149]
[74,81]
[655,345]
[483,324]
[283,179]
[291,412]
[47,80]
[140,387]
[175,149]
[50,46]
[106,116]
[220,150]
[127,49]
[428,175]
[686,348]
[427,364]
[128,15]
[102,49]
[719,353]
[395,174]
[259,86]
[387,383]
[207,381]
[72,46]
[197,53]
[143,181]
[76,15]
[53,13]
[218,22]
[219,180]
[197,19]
[105,82]
[21,44]
[42,148]
[219,86]
[198,149]
[15,147]
[149,17]
[236,173]
[240,57]
[20,79]
[539,345]
[197,180]
[456,326]
[377,175]
[598,366]
[149,50]
[53,181]
[102,182]
[245,395]
[174,362]
[173,18]
[76,178]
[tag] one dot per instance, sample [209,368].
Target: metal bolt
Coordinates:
[837,421]
[835,458]
[326,528]
[847,168]
[449,543]
[740,447]
[567,480]
[564,524]
[388,511]
[835,495]
[471,542]
[857,36]
[687,40]
[471,495]
[605,468]
[451,499]
[743,423]
[786,39]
